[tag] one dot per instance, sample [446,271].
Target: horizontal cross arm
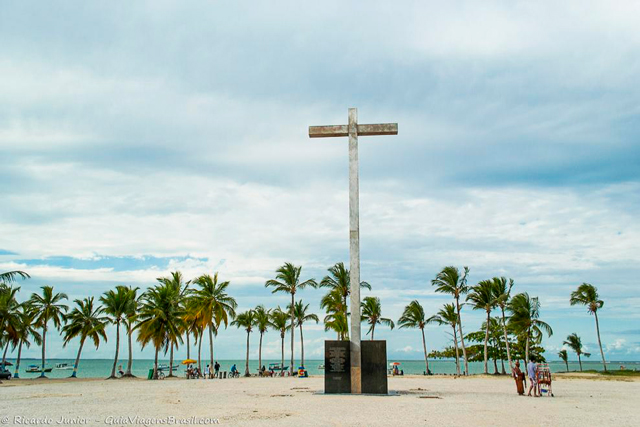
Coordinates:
[343,130]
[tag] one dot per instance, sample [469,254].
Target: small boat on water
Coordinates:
[63,366]
[166,367]
[320,366]
[277,367]
[37,369]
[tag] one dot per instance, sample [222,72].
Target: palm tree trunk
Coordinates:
[4,355]
[260,352]
[188,349]
[211,341]
[580,362]
[455,345]
[17,375]
[373,330]
[424,347]
[464,349]
[200,350]
[130,360]
[504,372]
[301,347]
[282,350]
[115,361]
[292,331]
[506,339]
[155,365]
[566,362]
[246,366]
[486,340]
[604,363]
[44,345]
[526,348]
[75,365]
[171,361]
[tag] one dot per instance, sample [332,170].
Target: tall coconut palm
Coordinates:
[160,320]
[301,316]
[339,280]
[587,295]
[482,298]
[448,316]
[337,315]
[288,281]
[263,321]
[372,314]
[449,281]
[116,306]
[413,317]
[279,321]
[175,280]
[564,356]
[525,319]
[247,321]
[25,330]
[47,307]
[575,343]
[84,321]
[131,315]
[502,293]
[215,306]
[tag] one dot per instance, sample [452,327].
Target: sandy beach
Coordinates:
[580,400]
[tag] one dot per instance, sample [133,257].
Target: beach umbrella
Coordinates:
[189,362]
[394,363]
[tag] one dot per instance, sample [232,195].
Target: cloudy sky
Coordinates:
[137,139]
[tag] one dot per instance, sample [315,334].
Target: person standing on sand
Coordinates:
[532,371]
[518,375]
[217,368]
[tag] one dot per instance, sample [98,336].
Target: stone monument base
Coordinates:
[337,365]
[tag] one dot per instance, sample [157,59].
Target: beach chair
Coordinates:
[544,379]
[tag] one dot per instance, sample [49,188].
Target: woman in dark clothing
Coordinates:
[518,375]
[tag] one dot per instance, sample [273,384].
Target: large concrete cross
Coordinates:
[352,130]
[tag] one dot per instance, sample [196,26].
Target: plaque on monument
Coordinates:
[337,367]
[374,367]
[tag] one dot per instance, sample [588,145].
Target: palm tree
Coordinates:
[192,319]
[448,316]
[215,306]
[502,293]
[525,319]
[483,298]
[263,321]
[47,307]
[339,280]
[301,316]
[84,321]
[575,343]
[288,280]
[562,354]
[372,314]
[247,321]
[160,320]
[176,281]
[9,318]
[449,281]
[116,306]
[11,276]
[26,328]
[336,318]
[587,295]
[131,314]
[413,317]
[279,320]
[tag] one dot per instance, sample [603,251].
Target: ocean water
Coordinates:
[101,368]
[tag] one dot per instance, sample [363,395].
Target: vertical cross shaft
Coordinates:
[354,252]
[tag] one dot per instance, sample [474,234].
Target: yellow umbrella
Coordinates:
[189,362]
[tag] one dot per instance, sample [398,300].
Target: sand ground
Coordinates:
[443,401]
